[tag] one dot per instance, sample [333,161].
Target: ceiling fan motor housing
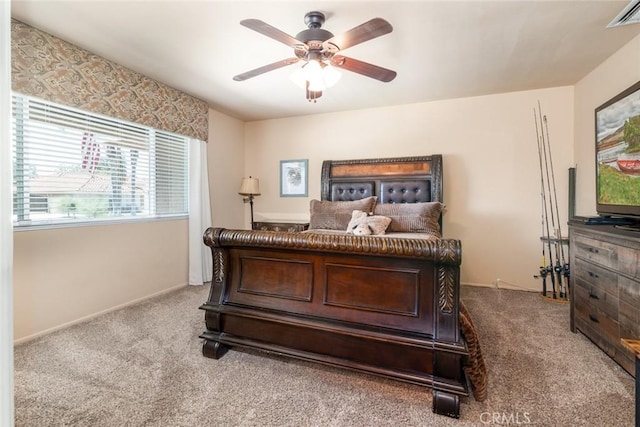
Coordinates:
[314,38]
[314,21]
[314,34]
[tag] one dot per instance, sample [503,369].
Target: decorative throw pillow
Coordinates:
[363,224]
[336,215]
[412,217]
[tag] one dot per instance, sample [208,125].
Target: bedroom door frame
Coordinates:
[6,223]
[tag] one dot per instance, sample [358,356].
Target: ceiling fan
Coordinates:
[319,49]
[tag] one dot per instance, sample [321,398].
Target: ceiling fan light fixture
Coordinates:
[316,86]
[315,76]
[309,76]
[331,75]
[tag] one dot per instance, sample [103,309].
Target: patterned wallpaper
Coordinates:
[49,68]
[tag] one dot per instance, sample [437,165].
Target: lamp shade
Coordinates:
[250,186]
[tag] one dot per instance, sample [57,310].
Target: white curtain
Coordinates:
[6,225]
[200,262]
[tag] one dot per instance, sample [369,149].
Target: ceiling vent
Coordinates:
[629,15]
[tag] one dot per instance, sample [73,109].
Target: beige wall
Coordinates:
[67,274]
[611,77]
[225,153]
[491,168]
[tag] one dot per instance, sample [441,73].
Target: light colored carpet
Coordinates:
[142,366]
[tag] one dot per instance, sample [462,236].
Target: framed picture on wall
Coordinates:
[293,178]
[618,154]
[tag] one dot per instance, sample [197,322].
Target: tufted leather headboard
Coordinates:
[393,180]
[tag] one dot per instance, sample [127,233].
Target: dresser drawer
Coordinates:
[590,276]
[593,298]
[596,251]
[597,325]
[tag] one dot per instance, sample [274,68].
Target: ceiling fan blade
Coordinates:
[265,68]
[364,68]
[369,30]
[270,31]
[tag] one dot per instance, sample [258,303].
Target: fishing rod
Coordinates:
[545,219]
[553,222]
[543,267]
[564,267]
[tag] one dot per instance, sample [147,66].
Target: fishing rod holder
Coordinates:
[554,240]
[558,273]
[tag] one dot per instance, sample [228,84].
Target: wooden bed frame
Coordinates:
[382,305]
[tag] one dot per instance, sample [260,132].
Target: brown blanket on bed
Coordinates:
[474,367]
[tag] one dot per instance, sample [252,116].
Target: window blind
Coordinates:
[70,166]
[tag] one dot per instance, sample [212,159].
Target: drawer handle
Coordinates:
[592,295]
[593,318]
[593,250]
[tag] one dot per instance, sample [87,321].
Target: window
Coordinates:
[71,166]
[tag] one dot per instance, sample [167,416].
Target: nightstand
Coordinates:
[280,226]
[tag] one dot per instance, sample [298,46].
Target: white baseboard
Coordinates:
[501,284]
[94,315]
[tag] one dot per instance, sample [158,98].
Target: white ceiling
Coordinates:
[440,49]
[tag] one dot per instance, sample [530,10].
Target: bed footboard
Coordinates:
[385,306]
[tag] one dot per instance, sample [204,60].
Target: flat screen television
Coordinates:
[618,155]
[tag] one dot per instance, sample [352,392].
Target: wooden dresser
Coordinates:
[605,286]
